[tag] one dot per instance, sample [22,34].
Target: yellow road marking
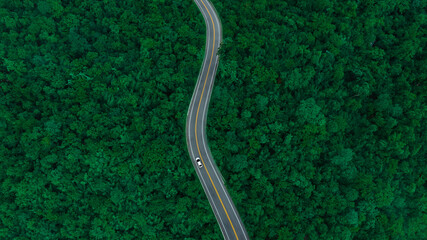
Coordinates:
[197,115]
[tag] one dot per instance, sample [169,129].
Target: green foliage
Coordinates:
[317,120]
[309,112]
[344,157]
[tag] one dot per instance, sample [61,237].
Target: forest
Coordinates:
[317,119]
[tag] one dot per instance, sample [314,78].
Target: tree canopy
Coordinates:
[317,119]
[327,99]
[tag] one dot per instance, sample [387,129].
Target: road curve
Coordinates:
[211,179]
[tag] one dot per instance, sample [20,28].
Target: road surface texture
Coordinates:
[211,179]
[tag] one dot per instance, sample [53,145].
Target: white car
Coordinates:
[199,162]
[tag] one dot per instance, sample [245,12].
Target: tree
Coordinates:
[309,112]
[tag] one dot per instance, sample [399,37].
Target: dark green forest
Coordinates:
[317,119]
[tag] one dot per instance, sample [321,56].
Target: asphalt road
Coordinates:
[211,179]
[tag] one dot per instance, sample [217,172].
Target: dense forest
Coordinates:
[317,119]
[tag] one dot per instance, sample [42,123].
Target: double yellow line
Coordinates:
[197,115]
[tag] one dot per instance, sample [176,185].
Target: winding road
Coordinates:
[211,179]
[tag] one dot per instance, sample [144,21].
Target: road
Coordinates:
[211,179]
